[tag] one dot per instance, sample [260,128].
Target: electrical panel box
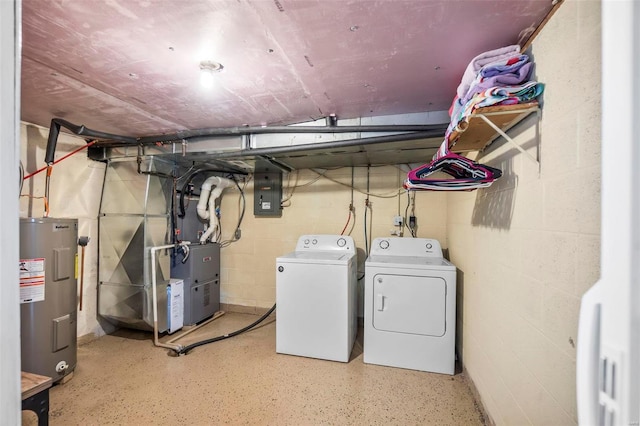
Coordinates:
[267,190]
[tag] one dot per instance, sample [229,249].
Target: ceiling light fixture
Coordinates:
[207,68]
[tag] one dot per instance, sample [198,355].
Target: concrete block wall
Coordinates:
[319,205]
[529,246]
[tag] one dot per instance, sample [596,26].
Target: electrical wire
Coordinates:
[189,180]
[44,199]
[49,169]
[392,194]
[406,216]
[366,240]
[370,208]
[59,160]
[186,172]
[366,207]
[174,218]
[406,212]
[187,348]
[293,188]
[242,199]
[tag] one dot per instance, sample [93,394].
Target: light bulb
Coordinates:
[206,78]
[207,68]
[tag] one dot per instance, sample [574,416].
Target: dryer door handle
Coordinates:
[380,302]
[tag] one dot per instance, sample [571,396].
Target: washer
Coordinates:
[410,305]
[316,298]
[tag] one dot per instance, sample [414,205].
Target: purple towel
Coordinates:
[482,60]
[501,67]
[513,78]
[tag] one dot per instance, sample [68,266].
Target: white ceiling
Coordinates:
[131,67]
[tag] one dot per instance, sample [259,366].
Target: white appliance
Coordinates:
[608,355]
[316,298]
[410,305]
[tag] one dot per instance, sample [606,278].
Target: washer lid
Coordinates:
[415,262]
[324,257]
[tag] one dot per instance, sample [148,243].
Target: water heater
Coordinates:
[48,295]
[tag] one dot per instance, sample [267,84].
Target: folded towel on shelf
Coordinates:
[521,93]
[481,60]
[503,66]
[497,77]
[514,76]
[498,95]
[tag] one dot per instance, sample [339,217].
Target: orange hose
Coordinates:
[346,224]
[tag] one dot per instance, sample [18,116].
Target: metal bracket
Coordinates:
[511,141]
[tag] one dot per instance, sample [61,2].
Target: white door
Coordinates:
[409,304]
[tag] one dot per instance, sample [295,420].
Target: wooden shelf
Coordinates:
[477,133]
[32,384]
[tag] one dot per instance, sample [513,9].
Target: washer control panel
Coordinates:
[394,246]
[326,243]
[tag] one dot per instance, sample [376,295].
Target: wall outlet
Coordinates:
[397,220]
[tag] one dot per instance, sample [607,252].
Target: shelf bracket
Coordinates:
[508,138]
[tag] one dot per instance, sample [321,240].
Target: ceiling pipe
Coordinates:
[257,130]
[54,131]
[267,152]
[411,132]
[336,144]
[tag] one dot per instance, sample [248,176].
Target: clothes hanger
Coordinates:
[465,173]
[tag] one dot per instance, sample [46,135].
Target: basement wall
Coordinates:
[316,207]
[528,247]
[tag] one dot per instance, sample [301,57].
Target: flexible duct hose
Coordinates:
[208,198]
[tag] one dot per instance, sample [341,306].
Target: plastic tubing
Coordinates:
[187,348]
[154,296]
[208,198]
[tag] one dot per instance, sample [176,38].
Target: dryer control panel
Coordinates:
[326,243]
[418,247]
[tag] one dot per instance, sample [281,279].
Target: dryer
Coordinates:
[316,298]
[410,305]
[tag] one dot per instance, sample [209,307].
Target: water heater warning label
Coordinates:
[31,280]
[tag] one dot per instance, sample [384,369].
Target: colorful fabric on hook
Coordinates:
[463,175]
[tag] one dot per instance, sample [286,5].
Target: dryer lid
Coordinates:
[417,262]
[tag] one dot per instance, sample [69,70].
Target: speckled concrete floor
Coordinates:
[123,379]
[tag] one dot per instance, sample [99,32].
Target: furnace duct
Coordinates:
[208,199]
